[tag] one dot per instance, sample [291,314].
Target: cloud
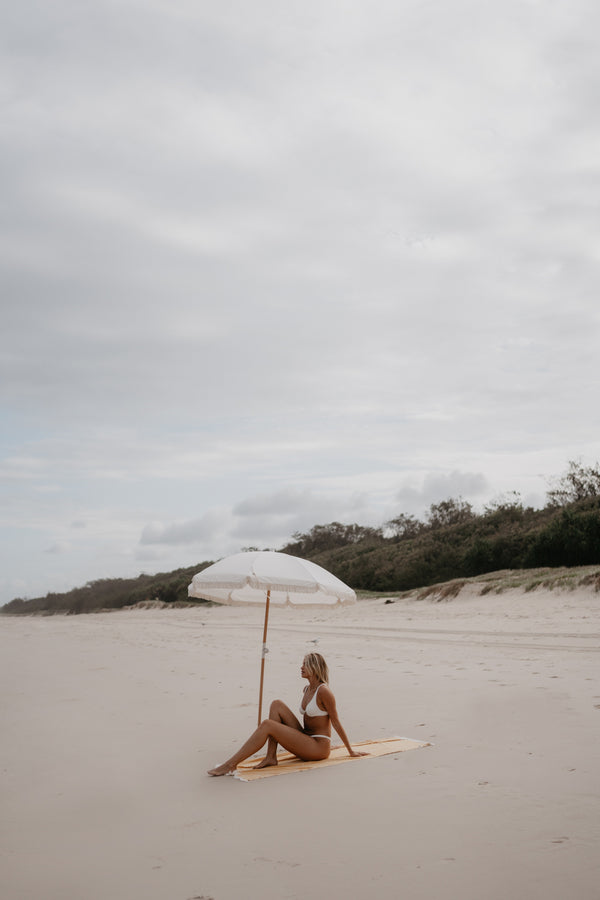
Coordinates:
[284,502]
[59,547]
[147,554]
[436,487]
[269,520]
[267,270]
[205,529]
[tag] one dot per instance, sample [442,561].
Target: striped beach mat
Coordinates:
[288,763]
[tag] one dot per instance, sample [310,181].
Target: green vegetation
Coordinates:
[507,537]
[113,593]
[454,542]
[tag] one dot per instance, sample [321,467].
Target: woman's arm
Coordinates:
[328,700]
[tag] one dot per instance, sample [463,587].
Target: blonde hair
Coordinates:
[317,666]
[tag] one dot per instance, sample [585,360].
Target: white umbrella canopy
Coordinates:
[265,577]
[246,578]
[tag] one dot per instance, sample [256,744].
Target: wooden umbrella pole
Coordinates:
[264,653]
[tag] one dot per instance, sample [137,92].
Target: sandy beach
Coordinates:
[110,721]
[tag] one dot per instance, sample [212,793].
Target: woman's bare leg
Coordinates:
[302,745]
[278,712]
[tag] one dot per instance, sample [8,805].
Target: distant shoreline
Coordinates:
[561,578]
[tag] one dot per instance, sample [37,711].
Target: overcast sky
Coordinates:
[267,265]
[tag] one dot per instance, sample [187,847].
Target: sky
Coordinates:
[271,265]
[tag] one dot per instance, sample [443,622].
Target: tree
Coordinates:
[404,527]
[329,537]
[453,511]
[578,483]
[505,503]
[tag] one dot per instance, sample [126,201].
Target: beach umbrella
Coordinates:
[264,577]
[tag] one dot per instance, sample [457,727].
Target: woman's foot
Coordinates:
[224,769]
[266,762]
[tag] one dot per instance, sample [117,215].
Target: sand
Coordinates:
[110,721]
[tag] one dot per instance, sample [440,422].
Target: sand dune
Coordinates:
[110,722]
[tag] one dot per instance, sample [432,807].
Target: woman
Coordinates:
[311,741]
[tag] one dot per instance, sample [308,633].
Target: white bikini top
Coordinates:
[311,707]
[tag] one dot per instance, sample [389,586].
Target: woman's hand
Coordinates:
[357,752]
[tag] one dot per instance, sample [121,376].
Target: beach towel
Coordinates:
[288,763]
